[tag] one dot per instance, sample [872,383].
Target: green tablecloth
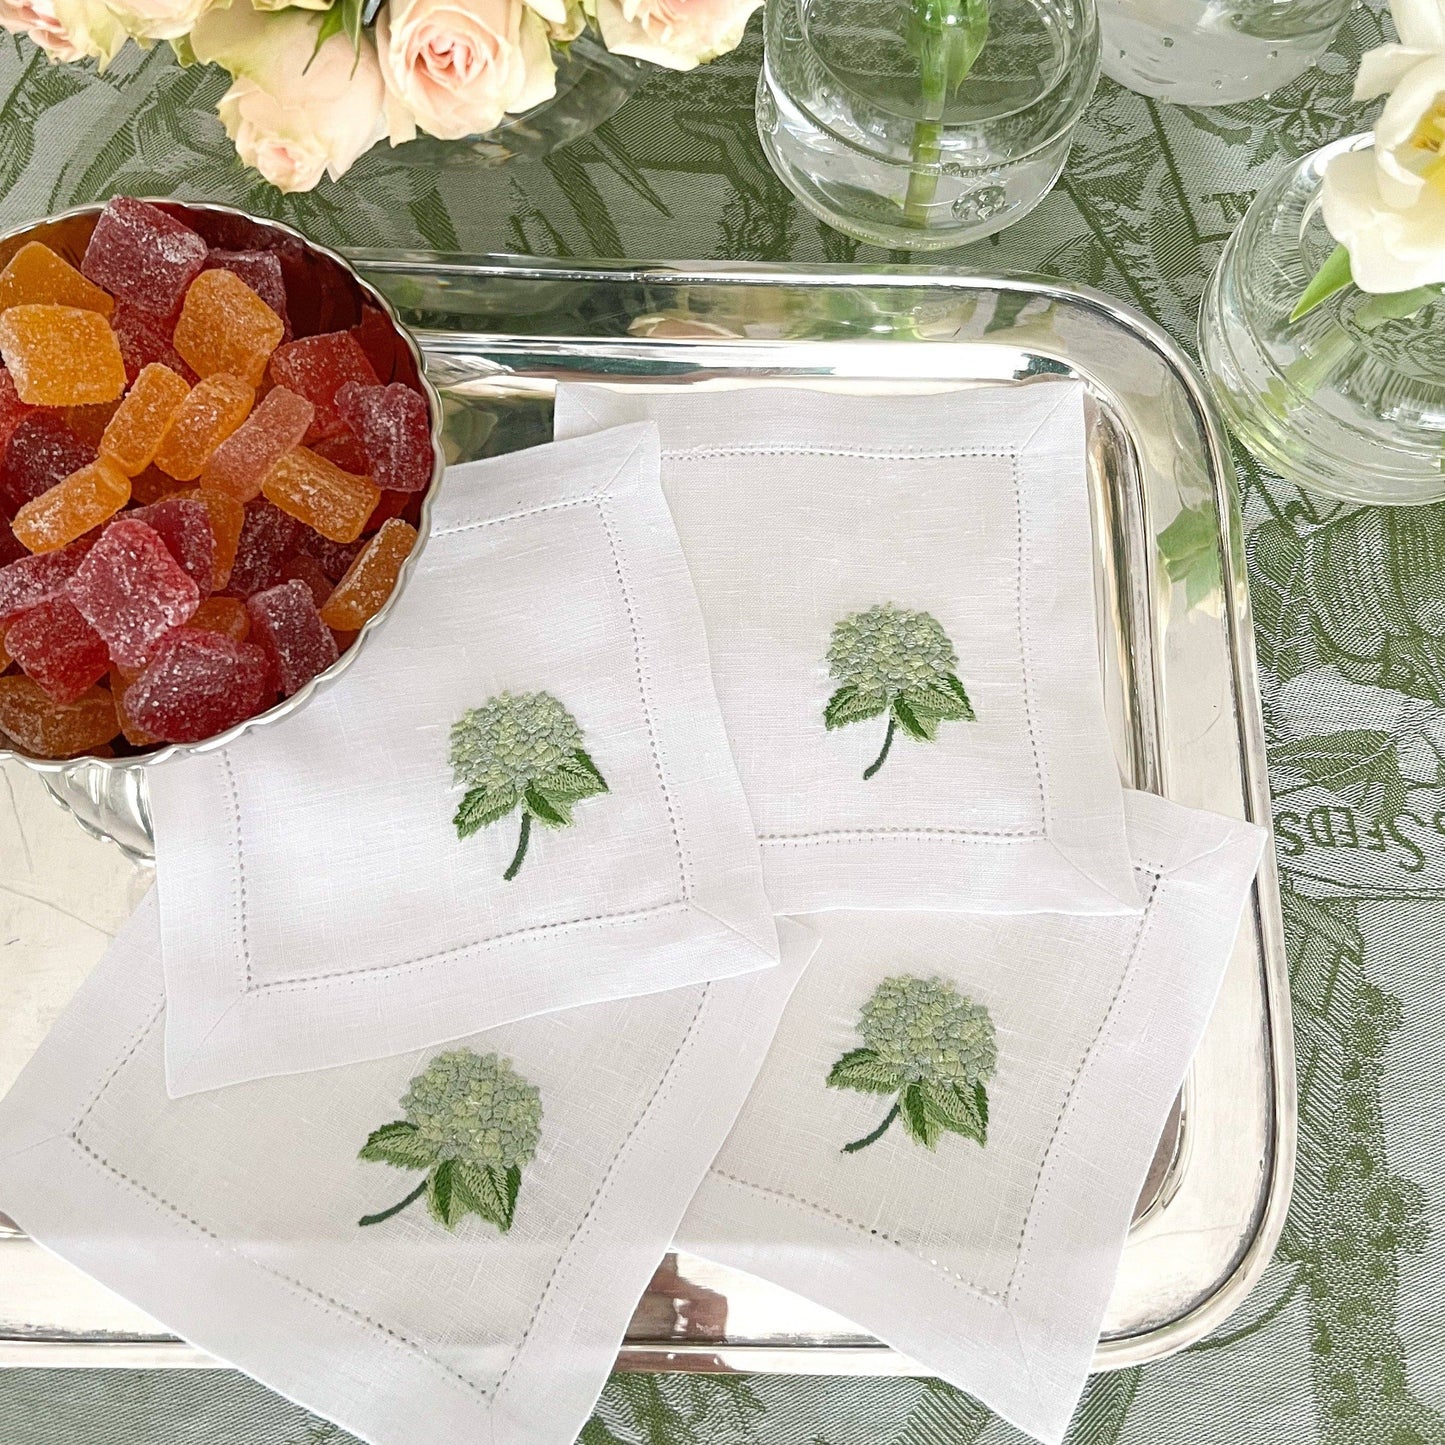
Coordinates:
[1343,1341]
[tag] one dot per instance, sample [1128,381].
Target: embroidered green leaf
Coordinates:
[917,724]
[524,750]
[863,1069]
[887,660]
[932,1047]
[848,705]
[471,1123]
[399,1143]
[480,807]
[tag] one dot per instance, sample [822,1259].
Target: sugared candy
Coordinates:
[12,409]
[41,452]
[304,568]
[370,579]
[225,326]
[61,355]
[216,406]
[36,274]
[284,620]
[261,271]
[335,557]
[321,495]
[134,433]
[226,615]
[318,367]
[132,591]
[240,464]
[394,428]
[50,729]
[142,344]
[141,255]
[228,517]
[89,422]
[58,648]
[268,538]
[71,508]
[184,525]
[198,683]
[345,450]
[392,504]
[120,679]
[10,548]
[32,580]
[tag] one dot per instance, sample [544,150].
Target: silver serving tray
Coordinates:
[1183,704]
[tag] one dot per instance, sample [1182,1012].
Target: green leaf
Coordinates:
[1358,758]
[960,1111]
[512,1184]
[551,812]
[574,779]
[862,1069]
[400,1144]
[848,705]
[920,725]
[1332,277]
[918,1119]
[442,1198]
[481,806]
[939,700]
[331,24]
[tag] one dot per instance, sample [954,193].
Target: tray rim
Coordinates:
[863,1358]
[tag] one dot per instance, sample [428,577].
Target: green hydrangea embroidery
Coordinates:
[934,1049]
[471,1122]
[520,751]
[888,660]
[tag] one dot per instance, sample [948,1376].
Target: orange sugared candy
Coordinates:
[61,355]
[35,275]
[228,516]
[71,508]
[134,434]
[216,406]
[55,729]
[369,579]
[225,326]
[321,495]
[226,615]
[120,679]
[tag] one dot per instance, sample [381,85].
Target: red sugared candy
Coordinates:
[268,538]
[143,344]
[317,367]
[141,255]
[240,464]
[12,409]
[42,452]
[305,568]
[58,648]
[335,557]
[284,620]
[184,525]
[197,684]
[35,579]
[133,591]
[394,429]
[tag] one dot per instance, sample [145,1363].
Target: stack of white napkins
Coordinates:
[460,989]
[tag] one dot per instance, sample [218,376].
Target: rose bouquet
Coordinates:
[318,82]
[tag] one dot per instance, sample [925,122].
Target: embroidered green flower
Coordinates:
[898,662]
[471,1122]
[932,1047]
[522,751]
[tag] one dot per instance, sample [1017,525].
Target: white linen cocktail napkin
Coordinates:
[899,600]
[949,1134]
[519,798]
[556,1156]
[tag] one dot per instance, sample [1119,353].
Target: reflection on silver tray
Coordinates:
[1182,695]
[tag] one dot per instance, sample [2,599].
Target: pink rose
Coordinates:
[66,30]
[456,67]
[679,34]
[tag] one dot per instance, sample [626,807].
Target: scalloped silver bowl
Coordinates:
[108,796]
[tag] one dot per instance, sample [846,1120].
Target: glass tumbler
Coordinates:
[1214,52]
[924,123]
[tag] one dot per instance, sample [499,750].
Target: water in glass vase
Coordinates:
[924,123]
[1214,52]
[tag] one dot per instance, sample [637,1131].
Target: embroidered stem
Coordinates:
[397,1208]
[877,1133]
[516,863]
[887,743]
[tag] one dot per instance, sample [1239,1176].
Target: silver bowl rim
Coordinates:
[288,705]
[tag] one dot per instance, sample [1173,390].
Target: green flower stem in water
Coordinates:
[883,756]
[398,1207]
[521,853]
[857,1144]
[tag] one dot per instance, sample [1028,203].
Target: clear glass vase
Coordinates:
[1214,52]
[1349,400]
[863,119]
[592,84]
